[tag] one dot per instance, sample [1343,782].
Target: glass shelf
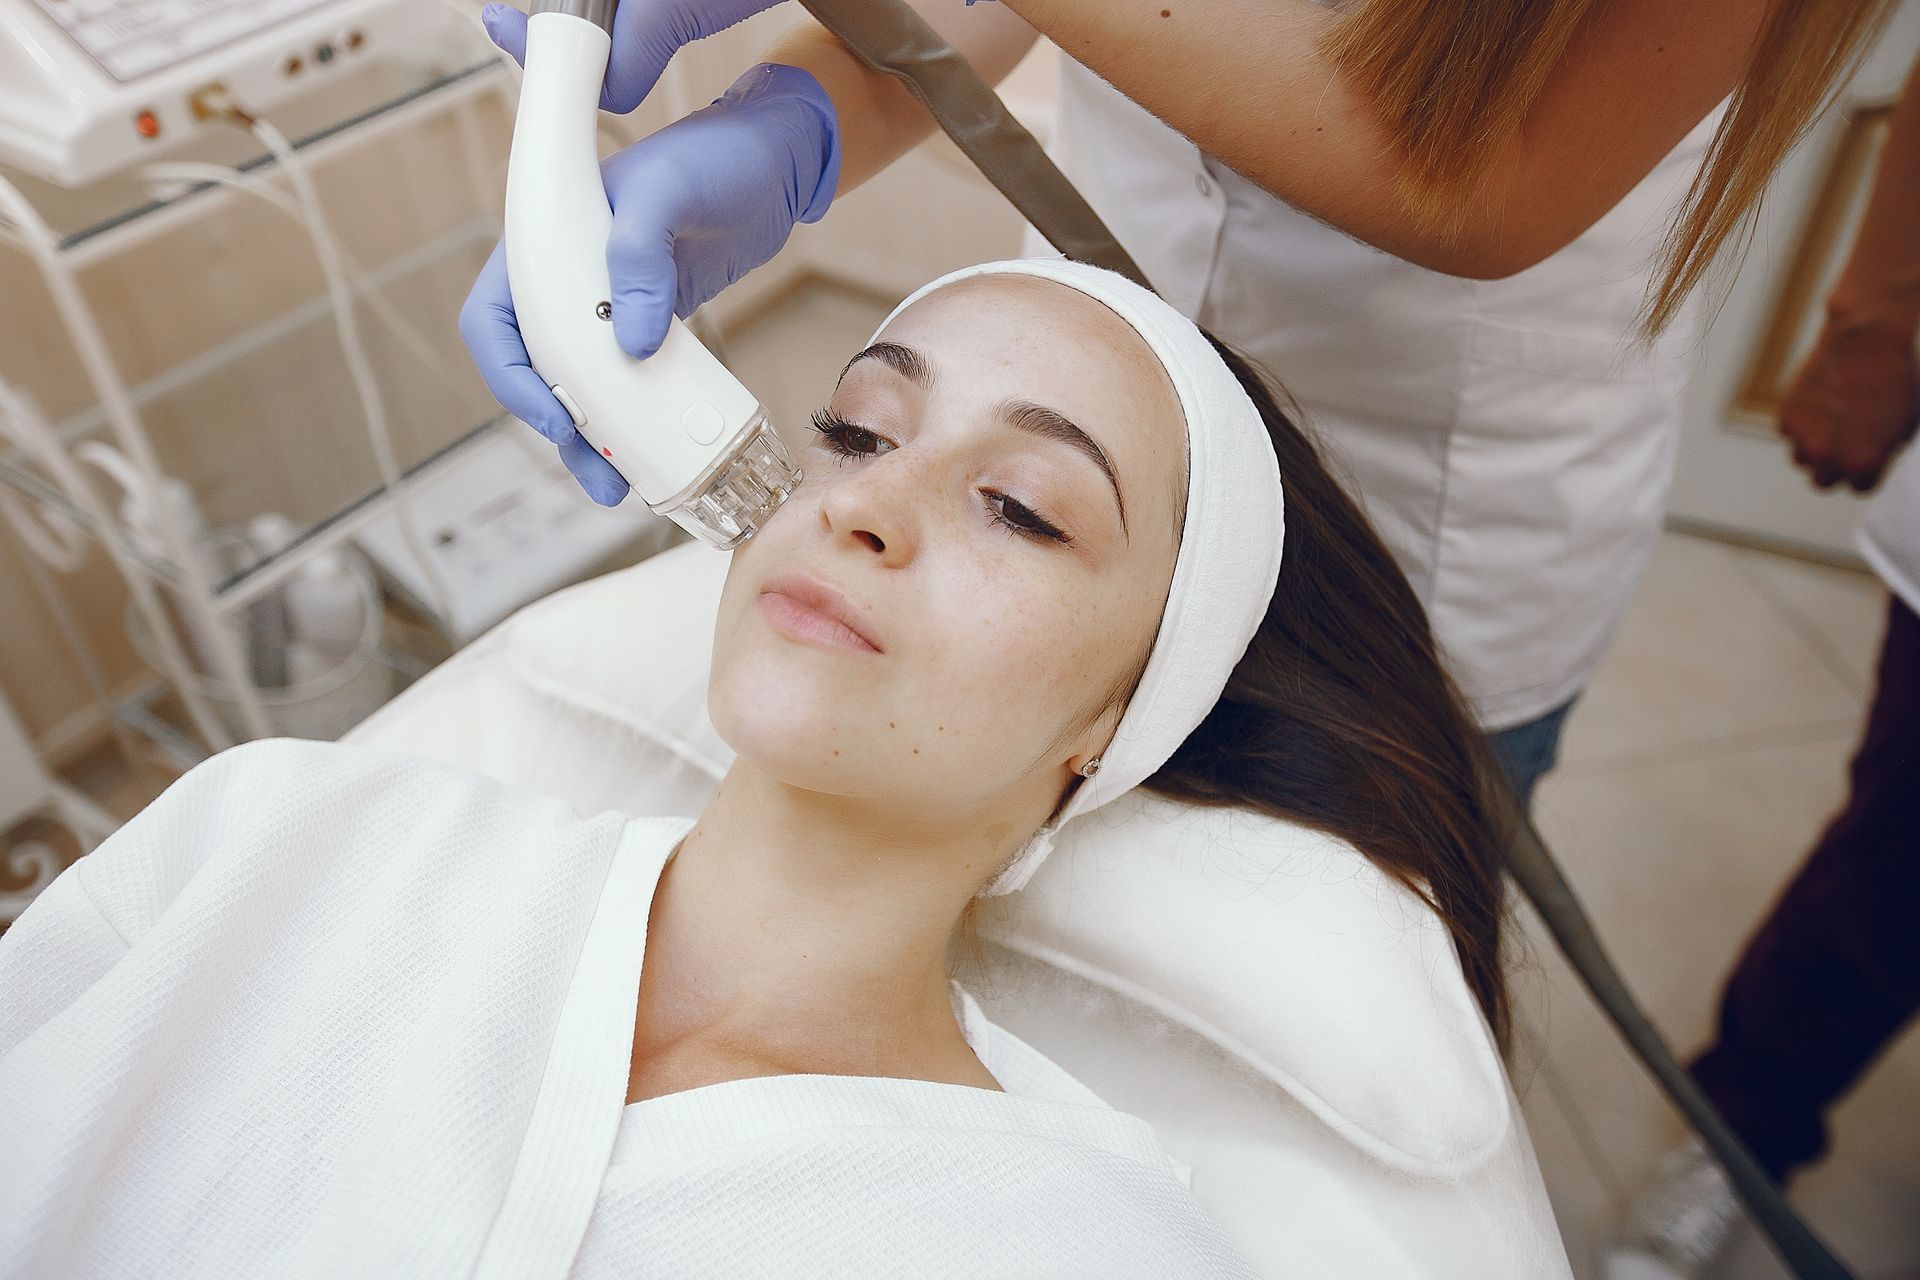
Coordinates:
[281,367]
[307,455]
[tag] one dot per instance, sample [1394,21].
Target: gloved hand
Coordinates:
[695,207]
[646,33]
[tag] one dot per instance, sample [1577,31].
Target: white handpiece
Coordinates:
[693,443]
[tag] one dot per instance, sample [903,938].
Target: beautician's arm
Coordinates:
[879,120]
[1246,82]
[1881,281]
[1857,398]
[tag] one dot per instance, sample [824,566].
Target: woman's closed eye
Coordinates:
[847,442]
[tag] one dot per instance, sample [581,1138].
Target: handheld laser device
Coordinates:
[694,444]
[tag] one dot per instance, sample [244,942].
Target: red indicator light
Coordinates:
[147,124]
[605,452]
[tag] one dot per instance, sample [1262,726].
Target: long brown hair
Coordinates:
[1341,718]
[1453,80]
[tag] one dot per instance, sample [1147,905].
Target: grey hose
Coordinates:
[1546,887]
[891,38]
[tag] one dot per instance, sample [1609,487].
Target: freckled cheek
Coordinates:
[1014,635]
[1037,655]
[989,631]
[1097,639]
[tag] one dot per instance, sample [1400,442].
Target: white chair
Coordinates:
[1292,1021]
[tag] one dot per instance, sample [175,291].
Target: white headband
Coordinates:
[1229,558]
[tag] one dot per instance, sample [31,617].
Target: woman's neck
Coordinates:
[809,930]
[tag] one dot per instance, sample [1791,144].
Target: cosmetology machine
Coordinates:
[89,87]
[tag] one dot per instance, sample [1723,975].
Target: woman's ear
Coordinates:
[1093,743]
[1085,766]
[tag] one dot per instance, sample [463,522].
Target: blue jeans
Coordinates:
[1527,751]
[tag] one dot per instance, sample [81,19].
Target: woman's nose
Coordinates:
[875,508]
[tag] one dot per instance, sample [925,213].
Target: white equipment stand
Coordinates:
[77,97]
[27,788]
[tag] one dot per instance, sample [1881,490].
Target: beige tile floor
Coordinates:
[1696,771]
[1702,763]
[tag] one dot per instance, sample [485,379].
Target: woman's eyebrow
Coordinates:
[1023,415]
[1050,424]
[905,361]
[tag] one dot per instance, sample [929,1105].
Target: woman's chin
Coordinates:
[785,722]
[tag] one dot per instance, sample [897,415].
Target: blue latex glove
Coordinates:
[695,207]
[646,33]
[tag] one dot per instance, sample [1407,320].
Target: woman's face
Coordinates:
[977,561]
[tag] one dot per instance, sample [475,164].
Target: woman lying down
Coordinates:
[330,1011]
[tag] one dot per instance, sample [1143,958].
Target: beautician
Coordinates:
[1463,236]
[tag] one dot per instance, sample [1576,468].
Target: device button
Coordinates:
[702,422]
[573,410]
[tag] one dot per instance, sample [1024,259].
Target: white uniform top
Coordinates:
[1512,445]
[1890,536]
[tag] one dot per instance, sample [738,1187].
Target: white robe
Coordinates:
[328,1011]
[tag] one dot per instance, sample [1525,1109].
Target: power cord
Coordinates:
[57,540]
[171,174]
[216,102]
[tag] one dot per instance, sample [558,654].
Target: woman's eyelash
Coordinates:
[843,438]
[847,441]
[1024,520]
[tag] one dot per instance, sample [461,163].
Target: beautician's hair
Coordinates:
[1341,718]
[1454,80]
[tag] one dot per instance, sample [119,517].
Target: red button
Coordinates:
[605,452]
[147,124]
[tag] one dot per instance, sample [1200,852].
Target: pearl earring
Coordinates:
[1090,768]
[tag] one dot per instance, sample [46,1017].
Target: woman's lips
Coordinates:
[808,610]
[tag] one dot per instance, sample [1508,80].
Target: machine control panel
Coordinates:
[133,38]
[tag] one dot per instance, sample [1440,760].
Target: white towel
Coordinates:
[325,1011]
